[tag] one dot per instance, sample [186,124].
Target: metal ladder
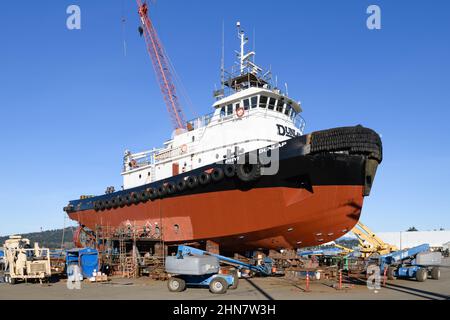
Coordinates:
[122,253]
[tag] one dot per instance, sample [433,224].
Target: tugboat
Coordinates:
[245,176]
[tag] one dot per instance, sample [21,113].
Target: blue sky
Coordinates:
[71,102]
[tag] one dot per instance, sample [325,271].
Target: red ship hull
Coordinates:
[315,197]
[270,218]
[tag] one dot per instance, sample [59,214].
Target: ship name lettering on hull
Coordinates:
[286,131]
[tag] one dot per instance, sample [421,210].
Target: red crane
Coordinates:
[162,67]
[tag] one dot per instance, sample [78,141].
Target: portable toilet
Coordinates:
[85,258]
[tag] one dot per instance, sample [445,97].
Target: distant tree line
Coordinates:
[49,238]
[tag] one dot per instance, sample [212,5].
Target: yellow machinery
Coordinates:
[370,243]
[345,250]
[21,262]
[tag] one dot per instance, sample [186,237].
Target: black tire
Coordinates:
[435,273]
[134,197]
[122,201]
[235,284]
[229,170]
[391,273]
[218,285]
[181,185]
[204,178]
[354,140]
[248,172]
[176,285]
[162,191]
[171,188]
[108,204]
[143,196]
[114,203]
[192,182]
[217,174]
[128,200]
[100,205]
[421,275]
[96,206]
[12,281]
[152,193]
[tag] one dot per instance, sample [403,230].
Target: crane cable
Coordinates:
[183,90]
[123,20]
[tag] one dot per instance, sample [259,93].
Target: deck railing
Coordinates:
[142,159]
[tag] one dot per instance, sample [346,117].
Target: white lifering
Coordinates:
[240,112]
[184,148]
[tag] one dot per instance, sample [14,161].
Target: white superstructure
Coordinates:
[254,115]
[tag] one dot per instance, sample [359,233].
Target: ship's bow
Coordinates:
[356,140]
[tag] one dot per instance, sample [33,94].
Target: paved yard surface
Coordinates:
[249,289]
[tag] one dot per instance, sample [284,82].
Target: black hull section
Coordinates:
[337,157]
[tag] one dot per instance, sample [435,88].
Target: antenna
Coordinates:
[222,66]
[254,44]
[286,86]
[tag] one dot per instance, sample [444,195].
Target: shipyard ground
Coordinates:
[250,289]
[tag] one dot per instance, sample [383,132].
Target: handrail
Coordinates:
[142,159]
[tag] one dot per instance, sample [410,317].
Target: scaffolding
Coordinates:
[131,250]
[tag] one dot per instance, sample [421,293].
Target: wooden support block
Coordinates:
[212,247]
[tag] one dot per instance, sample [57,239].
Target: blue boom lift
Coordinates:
[417,262]
[188,269]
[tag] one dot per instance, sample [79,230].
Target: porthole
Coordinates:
[176,228]
[140,176]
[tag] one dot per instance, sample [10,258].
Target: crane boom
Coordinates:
[370,242]
[161,66]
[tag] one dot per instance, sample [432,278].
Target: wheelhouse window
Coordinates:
[246,104]
[272,103]
[222,111]
[229,109]
[262,101]
[280,105]
[287,111]
[293,114]
[254,101]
